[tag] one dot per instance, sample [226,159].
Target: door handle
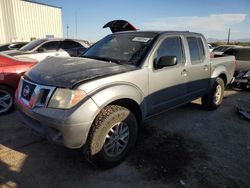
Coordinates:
[184,72]
[205,68]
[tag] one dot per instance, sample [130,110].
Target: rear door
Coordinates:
[167,86]
[72,48]
[198,67]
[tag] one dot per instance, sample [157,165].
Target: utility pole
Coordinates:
[76,22]
[67,31]
[228,37]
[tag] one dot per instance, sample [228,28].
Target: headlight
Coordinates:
[66,98]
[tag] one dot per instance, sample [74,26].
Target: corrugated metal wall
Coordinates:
[21,20]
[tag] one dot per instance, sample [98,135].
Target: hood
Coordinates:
[15,52]
[67,72]
[119,25]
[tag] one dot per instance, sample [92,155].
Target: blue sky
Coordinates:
[212,18]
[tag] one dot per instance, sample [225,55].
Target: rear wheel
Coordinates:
[214,97]
[6,99]
[113,135]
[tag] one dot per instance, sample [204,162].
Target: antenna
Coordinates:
[67,31]
[76,22]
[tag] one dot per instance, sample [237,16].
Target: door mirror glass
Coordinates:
[166,61]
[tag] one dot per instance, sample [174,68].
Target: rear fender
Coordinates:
[220,70]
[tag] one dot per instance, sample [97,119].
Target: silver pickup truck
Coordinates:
[97,101]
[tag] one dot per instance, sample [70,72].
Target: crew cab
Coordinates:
[98,101]
[42,48]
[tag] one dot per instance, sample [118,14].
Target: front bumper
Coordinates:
[67,127]
[59,126]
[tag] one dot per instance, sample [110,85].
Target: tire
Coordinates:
[112,136]
[6,99]
[213,99]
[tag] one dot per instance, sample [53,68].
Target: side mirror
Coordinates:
[166,61]
[41,49]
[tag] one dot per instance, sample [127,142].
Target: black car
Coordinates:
[242,72]
[12,46]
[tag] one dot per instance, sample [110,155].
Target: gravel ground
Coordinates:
[184,147]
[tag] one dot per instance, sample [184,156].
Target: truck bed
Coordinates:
[226,63]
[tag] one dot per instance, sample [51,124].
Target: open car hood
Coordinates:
[119,25]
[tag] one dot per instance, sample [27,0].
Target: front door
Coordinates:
[46,50]
[167,86]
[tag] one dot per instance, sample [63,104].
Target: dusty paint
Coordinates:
[66,72]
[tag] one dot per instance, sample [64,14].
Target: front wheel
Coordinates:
[113,135]
[214,97]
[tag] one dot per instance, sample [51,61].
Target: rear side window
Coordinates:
[70,45]
[196,49]
[51,45]
[171,46]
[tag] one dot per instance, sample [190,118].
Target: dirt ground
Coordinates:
[184,147]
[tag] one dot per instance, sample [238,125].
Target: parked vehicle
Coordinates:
[210,47]
[12,46]
[242,73]
[98,101]
[218,51]
[42,48]
[11,69]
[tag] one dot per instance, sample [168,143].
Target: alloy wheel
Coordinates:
[116,139]
[6,101]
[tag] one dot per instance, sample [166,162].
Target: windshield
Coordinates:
[222,48]
[33,44]
[124,48]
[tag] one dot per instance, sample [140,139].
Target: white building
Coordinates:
[22,20]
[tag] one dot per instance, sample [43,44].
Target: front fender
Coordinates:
[108,94]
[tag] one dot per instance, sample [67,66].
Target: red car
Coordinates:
[11,69]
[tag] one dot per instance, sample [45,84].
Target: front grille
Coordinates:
[34,95]
[44,97]
[27,90]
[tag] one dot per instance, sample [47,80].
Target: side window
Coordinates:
[50,45]
[69,45]
[230,52]
[243,54]
[171,46]
[196,49]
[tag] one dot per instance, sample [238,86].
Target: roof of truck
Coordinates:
[161,32]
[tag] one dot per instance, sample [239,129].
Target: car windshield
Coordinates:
[123,48]
[221,48]
[33,44]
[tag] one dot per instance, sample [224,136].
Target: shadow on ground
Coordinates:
[165,156]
